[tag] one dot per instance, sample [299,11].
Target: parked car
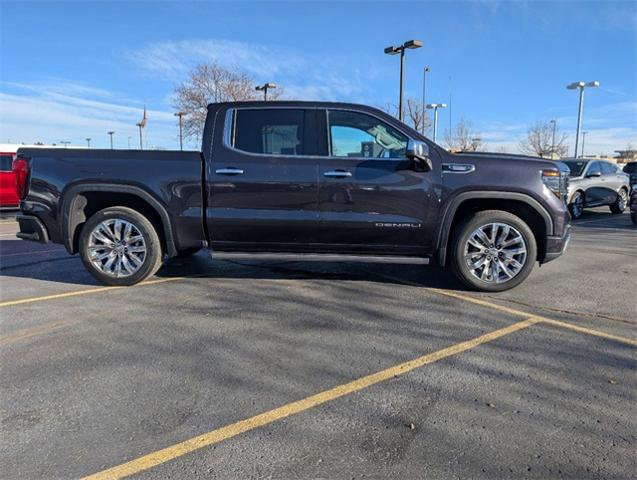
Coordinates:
[8,184]
[594,183]
[299,177]
[631,170]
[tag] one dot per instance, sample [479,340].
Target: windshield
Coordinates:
[577,167]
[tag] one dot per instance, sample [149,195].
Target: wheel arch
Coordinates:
[81,201]
[519,204]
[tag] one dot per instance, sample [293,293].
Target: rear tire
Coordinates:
[620,202]
[503,243]
[126,239]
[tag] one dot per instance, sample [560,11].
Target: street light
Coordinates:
[435,107]
[88,142]
[392,50]
[581,86]
[553,139]
[424,91]
[111,135]
[181,137]
[264,88]
[583,140]
[65,143]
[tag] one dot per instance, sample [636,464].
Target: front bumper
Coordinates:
[556,246]
[32,228]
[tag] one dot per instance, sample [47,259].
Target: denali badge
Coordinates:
[397,225]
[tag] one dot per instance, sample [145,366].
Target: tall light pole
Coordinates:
[181,136]
[581,86]
[553,139]
[65,143]
[88,142]
[111,135]
[583,140]
[435,107]
[392,50]
[424,93]
[264,88]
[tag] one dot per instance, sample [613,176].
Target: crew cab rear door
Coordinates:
[262,180]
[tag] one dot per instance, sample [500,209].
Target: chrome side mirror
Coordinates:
[418,151]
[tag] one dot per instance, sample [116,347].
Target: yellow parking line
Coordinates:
[589,331]
[215,436]
[88,291]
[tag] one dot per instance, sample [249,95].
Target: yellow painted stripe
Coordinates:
[589,331]
[88,291]
[164,455]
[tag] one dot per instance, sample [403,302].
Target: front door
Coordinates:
[371,198]
[262,180]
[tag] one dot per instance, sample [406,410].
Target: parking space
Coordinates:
[249,369]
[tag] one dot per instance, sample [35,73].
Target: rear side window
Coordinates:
[275,131]
[608,168]
[5,163]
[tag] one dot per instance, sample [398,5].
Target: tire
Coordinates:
[188,252]
[138,259]
[576,207]
[620,202]
[509,229]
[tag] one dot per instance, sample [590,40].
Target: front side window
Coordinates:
[269,131]
[608,168]
[358,135]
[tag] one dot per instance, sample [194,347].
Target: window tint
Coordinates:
[576,167]
[5,162]
[631,167]
[269,131]
[594,168]
[608,168]
[358,135]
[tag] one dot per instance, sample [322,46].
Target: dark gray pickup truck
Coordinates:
[301,178]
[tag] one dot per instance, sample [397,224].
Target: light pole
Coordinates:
[140,125]
[583,140]
[111,135]
[264,88]
[65,143]
[553,139]
[88,142]
[424,92]
[435,107]
[392,50]
[181,136]
[581,86]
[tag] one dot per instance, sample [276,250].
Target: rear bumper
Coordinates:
[31,228]
[556,246]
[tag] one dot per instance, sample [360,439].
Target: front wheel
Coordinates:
[493,251]
[119,246]
[620,202]
[576,207]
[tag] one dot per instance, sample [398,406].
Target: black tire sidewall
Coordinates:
[468,226]
[152,262]
[614,208]
[570,207]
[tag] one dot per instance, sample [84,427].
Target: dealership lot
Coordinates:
[416,377]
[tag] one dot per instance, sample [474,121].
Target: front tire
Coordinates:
[120,247]
[620,202]
[576,207]
[493,251]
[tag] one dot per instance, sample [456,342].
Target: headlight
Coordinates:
[553,181]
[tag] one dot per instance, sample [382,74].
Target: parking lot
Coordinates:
[241,368]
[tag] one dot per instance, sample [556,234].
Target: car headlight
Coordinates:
[554,182]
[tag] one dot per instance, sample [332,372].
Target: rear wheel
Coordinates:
[119,246]
[493,251]
[620,202]
[576,207]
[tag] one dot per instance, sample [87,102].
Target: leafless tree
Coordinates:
[210,83]
[539,141]
[412,113]
[463,139]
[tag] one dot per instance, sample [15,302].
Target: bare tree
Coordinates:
[412,113]
[463,139]
[539,141]
[211,83]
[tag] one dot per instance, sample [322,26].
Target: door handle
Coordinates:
[229,171]
[338,174]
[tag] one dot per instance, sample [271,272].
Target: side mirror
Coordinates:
[593,174]
[419,152]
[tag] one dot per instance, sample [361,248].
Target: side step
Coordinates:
[318,257]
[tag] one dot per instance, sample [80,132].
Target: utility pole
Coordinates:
[65,143]
[424,93]
[264,88]
[580,86]
[392,50]
[181,136]
[88,142]
[141,125]
[111,135]
[553,139]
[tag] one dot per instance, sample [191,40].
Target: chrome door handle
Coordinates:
[338,174]
[228,171]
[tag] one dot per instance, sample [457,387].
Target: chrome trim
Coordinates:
[229,171]
[337,174]
[458,168]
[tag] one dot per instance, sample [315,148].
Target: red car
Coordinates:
[8,181]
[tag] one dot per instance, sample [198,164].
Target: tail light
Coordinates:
[20,168]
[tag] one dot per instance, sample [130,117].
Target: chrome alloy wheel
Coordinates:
[623,198]
[117,248]
[495,252]
[578,206]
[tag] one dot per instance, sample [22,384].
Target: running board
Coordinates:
[318,257]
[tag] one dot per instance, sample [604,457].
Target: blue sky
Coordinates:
[71,70]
